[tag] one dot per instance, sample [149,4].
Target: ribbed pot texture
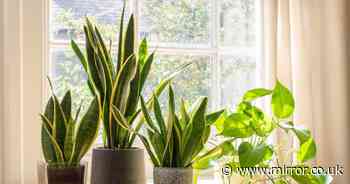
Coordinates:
[162,175]
[50,175]
[122,166]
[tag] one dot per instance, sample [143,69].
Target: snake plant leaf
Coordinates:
[102,48]
[282,101]
[198,122]
[59,123]
[146,69]
[135,91]
[79,54]
[157,145]
[143,51]
[185,117]
[256,93]
[157,92]
[159,116]
[120,52]
[87,131]
[165,82]
[58,152]
[121,88]
[147,116]
[177,148]
[50,113]
[91,61]
[129,42]
[47,147]
[120,118]
[69,140]
[105,62]
[66,105]
[149,149]
[170,123]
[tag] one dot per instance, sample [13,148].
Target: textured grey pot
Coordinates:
[123,166]
[163,175]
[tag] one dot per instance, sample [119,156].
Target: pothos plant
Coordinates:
[251,128]
[117,85]
[65,138]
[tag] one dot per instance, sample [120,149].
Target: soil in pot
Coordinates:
[122,166]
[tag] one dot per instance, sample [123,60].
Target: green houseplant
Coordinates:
[65,141]
[118,86]
[251,128]
[175,144]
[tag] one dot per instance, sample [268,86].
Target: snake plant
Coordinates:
[179,140]
[118,85]
[64,140]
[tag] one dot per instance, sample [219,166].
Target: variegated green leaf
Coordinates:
[69,140]
[87,131]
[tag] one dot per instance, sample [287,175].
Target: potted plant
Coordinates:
[175,144]
[118,86]
[65,141]
[251,128]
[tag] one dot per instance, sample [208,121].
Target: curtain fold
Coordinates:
[306,46]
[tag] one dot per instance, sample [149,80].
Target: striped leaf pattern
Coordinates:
[64,141]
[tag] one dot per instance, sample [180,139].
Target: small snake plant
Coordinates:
[65,141]
[179,140]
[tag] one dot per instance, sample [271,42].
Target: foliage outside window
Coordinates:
[218,36]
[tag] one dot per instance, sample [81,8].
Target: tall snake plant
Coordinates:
[119,85]
[179,140]
[64,140]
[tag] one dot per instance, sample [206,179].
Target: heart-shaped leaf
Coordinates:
[237,125]
[250,156]
[282,101]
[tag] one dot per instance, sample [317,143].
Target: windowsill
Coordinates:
[207,181]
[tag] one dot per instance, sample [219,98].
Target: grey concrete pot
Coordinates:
[163,175]
[123,166]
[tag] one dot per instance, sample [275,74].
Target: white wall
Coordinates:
[22,76]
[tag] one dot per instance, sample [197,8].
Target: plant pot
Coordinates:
[60,174]
[122,166]
[163,175]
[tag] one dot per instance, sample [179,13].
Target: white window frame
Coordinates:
[23,69]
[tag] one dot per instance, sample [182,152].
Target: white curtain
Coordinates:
[307,48]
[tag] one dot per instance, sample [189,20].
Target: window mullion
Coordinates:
[214,39]
[136,12]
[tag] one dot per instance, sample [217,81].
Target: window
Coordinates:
[220,37]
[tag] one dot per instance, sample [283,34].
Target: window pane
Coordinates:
[173,22]
[190,84]
[238,74]
[237,23]
[68,17]
[67,73]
